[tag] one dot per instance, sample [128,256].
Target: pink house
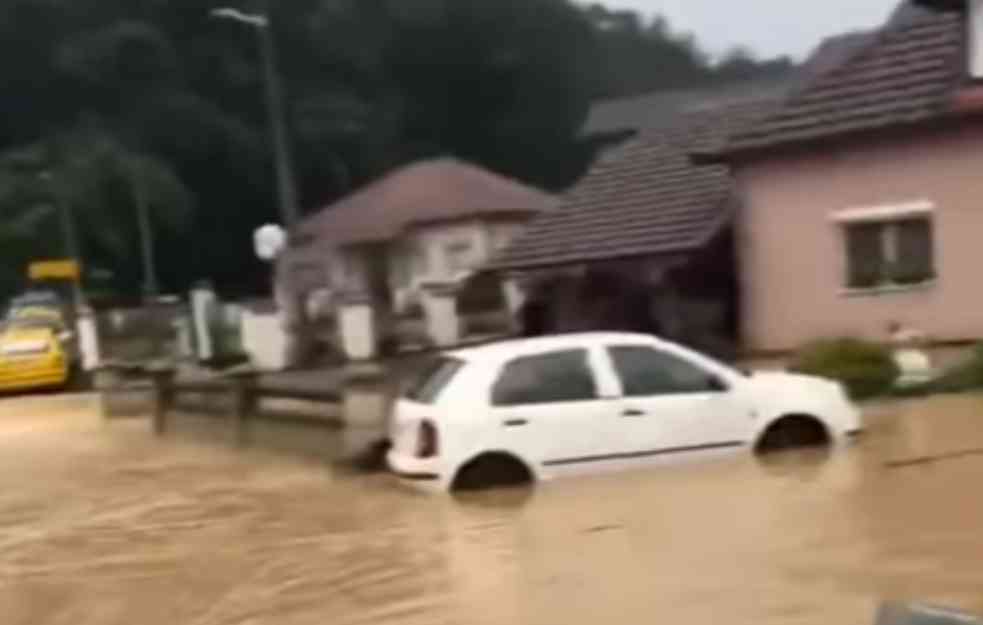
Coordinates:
[844,202]
[861,196]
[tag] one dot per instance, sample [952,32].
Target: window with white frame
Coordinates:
[974,24]
[459,256]
[421,259]
[399,265]
[886,247]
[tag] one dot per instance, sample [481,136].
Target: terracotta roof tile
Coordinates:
[906,73]
[658,108]
[644,198]
[428,191]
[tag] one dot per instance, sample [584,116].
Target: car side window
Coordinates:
[645,371]
[556,377]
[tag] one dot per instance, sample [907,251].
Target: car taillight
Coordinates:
[427,444]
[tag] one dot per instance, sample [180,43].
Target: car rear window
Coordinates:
[432,381]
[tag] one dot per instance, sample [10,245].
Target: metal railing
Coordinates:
[245,394]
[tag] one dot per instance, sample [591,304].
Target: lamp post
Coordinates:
[274,96]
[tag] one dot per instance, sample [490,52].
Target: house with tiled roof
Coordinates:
[643,242]
[861,199]
[389,261]
[840,205]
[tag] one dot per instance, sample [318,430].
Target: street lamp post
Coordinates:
[274,96]
[289,208]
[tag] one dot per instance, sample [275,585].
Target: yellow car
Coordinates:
[32,357]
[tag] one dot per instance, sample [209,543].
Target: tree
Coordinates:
[111,194]
[370,84]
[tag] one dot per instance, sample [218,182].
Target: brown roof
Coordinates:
[833,52]
[942,4]
[656,109]
[905,74]
[425,192]
[644,198]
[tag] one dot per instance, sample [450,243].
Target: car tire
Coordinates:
[793,432]
[492,471]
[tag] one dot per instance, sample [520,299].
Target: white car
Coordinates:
[541,408]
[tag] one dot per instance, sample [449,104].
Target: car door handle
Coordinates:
[516,423]
[632,412]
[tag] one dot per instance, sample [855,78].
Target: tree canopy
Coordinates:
[107,99]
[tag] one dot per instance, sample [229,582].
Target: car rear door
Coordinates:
[673,405]
[551,409]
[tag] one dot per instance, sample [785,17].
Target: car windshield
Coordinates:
[434,378]
[35,323]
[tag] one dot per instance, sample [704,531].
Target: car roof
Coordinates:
[507,350]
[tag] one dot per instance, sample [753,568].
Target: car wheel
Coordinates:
[791,432]
[492,471]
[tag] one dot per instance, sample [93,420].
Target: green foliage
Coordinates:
[866,369]
[631,46]
[370,85]
[99,181]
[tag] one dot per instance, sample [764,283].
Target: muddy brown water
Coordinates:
[104,525]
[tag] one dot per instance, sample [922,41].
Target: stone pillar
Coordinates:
[356,325]
[264,337]
[368,398]
[185,341]
[88,340]
[202,302]
[910,355]
[440,308]
[515,294]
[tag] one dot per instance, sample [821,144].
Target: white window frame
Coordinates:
[453,250]
[974,37]
[887,215]
[400,265]
[420,258]
[885,212]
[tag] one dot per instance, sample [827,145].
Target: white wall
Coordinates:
[264,339]
[437,243]
[426,255]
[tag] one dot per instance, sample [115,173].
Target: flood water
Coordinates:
[104,525]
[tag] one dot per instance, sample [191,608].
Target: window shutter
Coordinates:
[865,255]
[915,252]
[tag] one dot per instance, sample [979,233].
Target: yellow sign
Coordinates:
[55,270]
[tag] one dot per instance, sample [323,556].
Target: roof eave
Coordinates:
[519,267]
[942,5]
[942,120]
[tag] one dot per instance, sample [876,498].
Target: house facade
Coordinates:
[860,197]
[845,242]
[840,204]
[644,242]
[389,264]
[446,252]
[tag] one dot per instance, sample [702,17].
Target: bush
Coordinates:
[866,369]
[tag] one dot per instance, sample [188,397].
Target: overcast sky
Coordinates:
[769,27]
